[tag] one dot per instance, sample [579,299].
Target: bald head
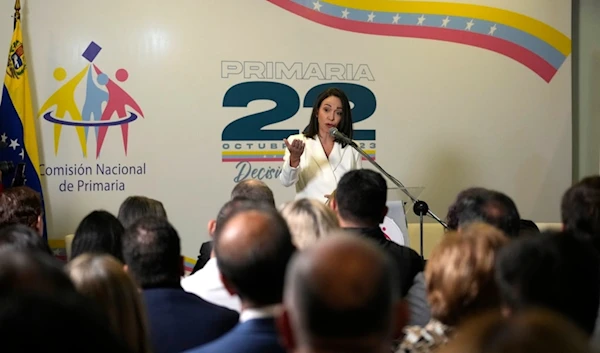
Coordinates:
[253,190]
[253,247]
[341,288]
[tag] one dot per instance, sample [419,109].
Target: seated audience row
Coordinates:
[306,277]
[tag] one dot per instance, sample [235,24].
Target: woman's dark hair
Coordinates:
[99,232]
[345,125]
[136,207]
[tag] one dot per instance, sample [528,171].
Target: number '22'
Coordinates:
[287,104]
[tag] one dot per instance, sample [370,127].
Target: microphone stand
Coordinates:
[420,208]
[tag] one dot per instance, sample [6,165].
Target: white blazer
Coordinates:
[317,176]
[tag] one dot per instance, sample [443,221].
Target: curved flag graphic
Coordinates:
[534,44]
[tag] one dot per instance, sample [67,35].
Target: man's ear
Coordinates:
[39,225]
[506,312]
[126,268]
[286,333]
[228,286]
[333,204]
[212,226]
[401,317]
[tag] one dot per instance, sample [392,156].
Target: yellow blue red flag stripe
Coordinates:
[534,44]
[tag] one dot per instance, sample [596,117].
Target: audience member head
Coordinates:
[21,205]
[253,246]
[528,227]
[456,208]
[61,322]
[22,237]
[459,274]
[556,271]
[99,232]
[152,253]
[308,220]
[483,205]
[226,210]
[533,331]
[103,279]
[136,207]
[254,190]
[360,199]
[580,209]
[34,271]
[340,295]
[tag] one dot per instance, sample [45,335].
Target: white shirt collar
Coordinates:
[260,313]
[206,283]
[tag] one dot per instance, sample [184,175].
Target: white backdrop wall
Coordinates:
[488,102]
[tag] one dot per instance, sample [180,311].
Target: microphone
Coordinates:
[335,133]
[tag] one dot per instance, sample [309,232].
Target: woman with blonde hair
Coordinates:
[308,220]
[459,280]
[103,279]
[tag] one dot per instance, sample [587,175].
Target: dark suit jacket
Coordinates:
[179,320]
[408,261]
[252,336]
[203,256]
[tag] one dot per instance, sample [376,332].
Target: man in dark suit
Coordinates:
[330,306]
[250,189]
[360,203]
[252,246]
[178,320]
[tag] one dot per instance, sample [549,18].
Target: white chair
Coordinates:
[394,225]
[68,242]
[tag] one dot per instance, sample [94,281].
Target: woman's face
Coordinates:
[330,113]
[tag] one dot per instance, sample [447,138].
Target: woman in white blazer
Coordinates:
[314,161]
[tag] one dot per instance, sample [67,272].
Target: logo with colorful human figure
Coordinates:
[106,104]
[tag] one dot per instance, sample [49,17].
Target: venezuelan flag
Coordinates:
[17,124]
